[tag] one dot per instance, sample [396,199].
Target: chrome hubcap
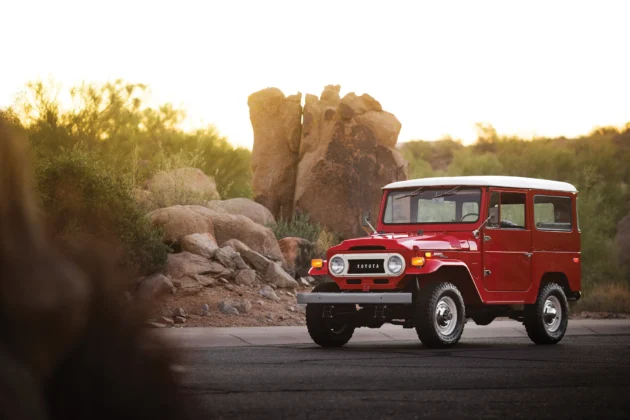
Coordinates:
[552,314]
[446,316]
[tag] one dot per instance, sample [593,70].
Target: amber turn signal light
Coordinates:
[417,261]
[317,263]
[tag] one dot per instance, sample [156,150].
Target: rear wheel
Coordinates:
[440,315]
[546,320]
[328,332]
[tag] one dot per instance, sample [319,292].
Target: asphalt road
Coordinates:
[583,377]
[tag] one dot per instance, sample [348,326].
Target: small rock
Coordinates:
[260,302]
[269,293]
[224,256]
[229,287]
[276,275]
[179,320]
[167,321]
[227,309]
[270,315]
[155,324]
[154,286]
[179,312]
[194,316]
[243,306]
[205,310]
[245,277]
[291,309]
[290,294]
[177,283]
[224,281]
[304,282]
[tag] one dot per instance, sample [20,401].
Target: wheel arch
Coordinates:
[557,277]
[459,276]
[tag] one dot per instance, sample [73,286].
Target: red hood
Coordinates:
[442,241]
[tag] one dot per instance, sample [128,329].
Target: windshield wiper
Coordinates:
[415,192]
[447,193]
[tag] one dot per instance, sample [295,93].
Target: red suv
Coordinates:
[447,249]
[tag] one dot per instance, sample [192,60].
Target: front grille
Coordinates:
[366,266]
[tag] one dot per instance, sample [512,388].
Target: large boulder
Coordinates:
[200,244]
[345,156]
[192,272]
[276,120]
[257,237]
[154,286]
[297,254]
[244,207]
[179,221]
[253,258]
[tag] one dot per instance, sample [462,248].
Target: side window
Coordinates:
[552,213]
[494,204]
[511,209]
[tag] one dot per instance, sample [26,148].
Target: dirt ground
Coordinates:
[264,312]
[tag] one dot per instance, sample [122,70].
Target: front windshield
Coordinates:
[433,205]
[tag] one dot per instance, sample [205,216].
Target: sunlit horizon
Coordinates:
[529,69]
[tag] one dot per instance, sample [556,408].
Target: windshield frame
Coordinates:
[438,190]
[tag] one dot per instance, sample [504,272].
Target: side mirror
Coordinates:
[493,212]
[365,218]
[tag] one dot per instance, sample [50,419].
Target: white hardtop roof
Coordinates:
[485,181]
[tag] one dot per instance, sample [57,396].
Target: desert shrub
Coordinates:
[80,196]
[302,227]
[605,297]
[115,120]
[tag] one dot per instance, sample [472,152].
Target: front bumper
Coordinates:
[356,298]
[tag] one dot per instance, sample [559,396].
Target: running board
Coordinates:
[358,298]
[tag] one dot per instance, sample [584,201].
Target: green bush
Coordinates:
[81,196]
[302,227]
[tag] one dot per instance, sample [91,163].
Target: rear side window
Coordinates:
[552,213]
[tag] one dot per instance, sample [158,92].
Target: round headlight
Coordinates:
[395,264]
[337,265]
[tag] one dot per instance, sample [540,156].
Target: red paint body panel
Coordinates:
[506,268]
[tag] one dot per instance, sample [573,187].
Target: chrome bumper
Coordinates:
[359,298]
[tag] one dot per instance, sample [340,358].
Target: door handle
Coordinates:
[486,272]
[528,254]
[486,238]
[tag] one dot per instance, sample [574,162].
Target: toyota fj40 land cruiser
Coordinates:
[448,249]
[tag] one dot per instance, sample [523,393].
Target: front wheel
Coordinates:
[440,315]
[328,332]
[547,319]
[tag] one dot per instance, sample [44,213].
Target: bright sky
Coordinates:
[528,68]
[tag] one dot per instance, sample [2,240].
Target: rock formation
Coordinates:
[336,168]
[277,126]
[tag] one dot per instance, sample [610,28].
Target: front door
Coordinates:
[507,246]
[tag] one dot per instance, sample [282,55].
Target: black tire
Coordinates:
[541,327]
[323,331]
[483,319]
[427,320]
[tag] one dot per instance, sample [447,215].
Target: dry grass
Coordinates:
[612,297]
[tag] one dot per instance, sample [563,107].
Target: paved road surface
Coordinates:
[585,376]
